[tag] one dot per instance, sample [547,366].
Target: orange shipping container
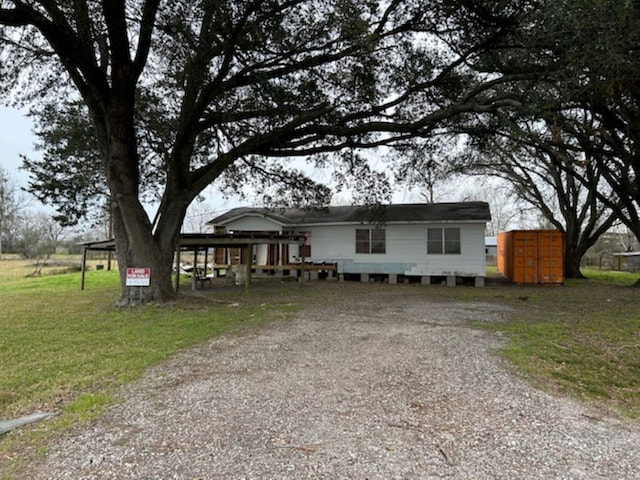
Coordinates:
[531,256]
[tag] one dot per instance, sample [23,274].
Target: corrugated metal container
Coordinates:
[532,257]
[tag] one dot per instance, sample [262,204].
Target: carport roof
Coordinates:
[196,241]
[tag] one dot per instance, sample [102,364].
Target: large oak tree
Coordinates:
[185,92]
[548,171]
[571,147]
[596,98]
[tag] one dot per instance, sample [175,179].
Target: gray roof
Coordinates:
[396,213]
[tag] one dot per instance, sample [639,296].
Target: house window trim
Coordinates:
[444,243]
[370,245]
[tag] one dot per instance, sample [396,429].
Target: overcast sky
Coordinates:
[16,138]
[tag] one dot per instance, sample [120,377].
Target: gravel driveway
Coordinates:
[376,385]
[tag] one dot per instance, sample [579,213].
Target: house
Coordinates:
[628,261]
[420,242]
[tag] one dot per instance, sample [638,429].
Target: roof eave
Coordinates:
[245,215]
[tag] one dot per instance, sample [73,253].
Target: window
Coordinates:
[443,240]
[452,240]
[371,240]
[378,241]
[362,241]
[434,240]
[305,250]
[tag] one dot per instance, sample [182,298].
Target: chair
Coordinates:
[202,277]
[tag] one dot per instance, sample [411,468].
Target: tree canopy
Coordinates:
[193,91]
[182,94]
[570,146]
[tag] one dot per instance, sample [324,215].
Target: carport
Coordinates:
[198,242]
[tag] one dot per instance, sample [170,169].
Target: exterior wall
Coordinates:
[406,251]
[253,224]
[294,252]
[332,243]
[470,262]
[633,263]
[406,248]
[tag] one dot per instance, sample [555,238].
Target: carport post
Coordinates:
[83,268]
[249,260]
[177,279]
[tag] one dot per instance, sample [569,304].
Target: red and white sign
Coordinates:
[138,277]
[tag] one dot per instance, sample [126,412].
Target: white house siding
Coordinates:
[253,224]
[331,243]
[406,250]
[471,261]
[294,252]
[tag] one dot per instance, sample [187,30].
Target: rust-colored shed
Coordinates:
[531,257]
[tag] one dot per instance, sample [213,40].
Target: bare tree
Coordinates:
[199,213]
[39,236]
[508,212]
[12,203]
[425,165]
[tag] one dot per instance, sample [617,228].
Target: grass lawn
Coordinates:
[68,351]
[581,339]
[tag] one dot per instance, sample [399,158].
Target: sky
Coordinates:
[16,138]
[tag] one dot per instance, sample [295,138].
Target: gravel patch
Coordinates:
[376,385]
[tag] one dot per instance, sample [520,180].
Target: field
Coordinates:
[68,351]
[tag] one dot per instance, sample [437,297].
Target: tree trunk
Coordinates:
[572,260]
[143,252]
[137,245]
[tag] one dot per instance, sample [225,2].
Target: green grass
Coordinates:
[582,339]
[68,351]
[624,279]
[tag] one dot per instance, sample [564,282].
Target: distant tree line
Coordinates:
[29,233]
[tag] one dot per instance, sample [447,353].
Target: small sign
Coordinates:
[138,277]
